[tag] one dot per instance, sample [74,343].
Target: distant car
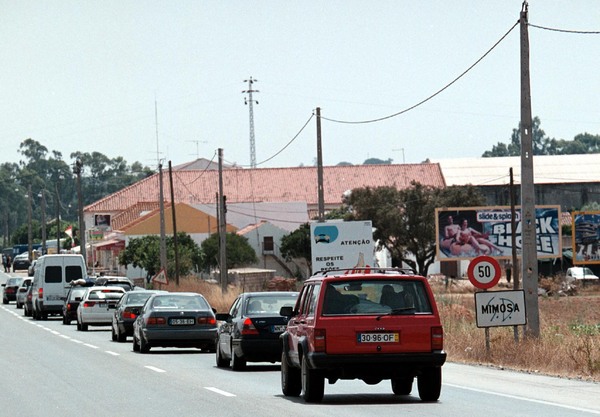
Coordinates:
[97,305]
[31,269]
[127,310]
[28,305]
[10,289]
[74,296]
[250,331]
[21,262]
[22,292]
[115,281]
[578,273]
[175,320]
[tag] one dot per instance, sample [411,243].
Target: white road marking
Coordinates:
[112,353]
[91,346]
[218,391]
[155,369]
[531,400]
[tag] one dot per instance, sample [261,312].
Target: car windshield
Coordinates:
[138,299]
[180,302]
[376,297]
[268,305]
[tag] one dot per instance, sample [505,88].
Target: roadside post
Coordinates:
[494,308]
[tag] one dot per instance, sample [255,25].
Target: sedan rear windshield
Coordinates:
[105,295]
[180,302]
[376,297]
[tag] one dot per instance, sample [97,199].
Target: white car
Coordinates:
[97,306]
[579,272]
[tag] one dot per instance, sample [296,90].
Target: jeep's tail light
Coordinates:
[437,338]
[320,340]
[248,327]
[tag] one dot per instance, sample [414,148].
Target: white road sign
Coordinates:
[500,308]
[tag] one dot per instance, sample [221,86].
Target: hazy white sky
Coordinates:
[85,76]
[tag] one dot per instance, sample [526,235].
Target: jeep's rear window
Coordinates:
[53,274]
[376,297]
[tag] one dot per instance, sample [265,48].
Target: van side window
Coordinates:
[53,274]
[73,272]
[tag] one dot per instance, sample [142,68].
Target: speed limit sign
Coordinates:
[484,272]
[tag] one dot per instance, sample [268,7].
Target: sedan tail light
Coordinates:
[151,321]
[89,304]
[207,320]
[128,314]
[248,327]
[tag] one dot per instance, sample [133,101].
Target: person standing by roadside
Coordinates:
[4,261]
[8,263]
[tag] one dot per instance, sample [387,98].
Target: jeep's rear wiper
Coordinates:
[397,312]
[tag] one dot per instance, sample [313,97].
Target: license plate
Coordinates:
[278,328]
[377,337]
[182,322]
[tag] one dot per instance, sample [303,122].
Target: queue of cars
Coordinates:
[365,324]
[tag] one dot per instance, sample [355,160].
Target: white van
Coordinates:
[51,282]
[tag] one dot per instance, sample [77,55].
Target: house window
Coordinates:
[268,245]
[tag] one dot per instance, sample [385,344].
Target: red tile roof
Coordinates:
[270,184]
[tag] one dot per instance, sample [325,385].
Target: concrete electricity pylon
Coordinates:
[249,101]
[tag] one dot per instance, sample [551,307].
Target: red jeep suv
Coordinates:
[369,324]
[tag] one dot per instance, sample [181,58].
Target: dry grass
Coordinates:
[569,339]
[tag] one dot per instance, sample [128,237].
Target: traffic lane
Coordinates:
[543,389]
[259,390]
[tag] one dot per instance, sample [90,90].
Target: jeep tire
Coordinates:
[313,383]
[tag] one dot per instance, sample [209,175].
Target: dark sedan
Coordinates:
[69,310]
[21,262]
[250,331]
[175,320]
[128,309]
[10,289]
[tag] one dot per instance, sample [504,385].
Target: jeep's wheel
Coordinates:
[429,383]
[238,363]
[402,386]
[221,361]
[291,383]
[313,383]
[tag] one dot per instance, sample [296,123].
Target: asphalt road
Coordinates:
[49,369]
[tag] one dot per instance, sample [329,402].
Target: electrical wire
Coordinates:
[431,96]
[579,32]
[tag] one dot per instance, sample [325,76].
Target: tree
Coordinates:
[144,253]
[404,220]
[239,251]
[377,161]
[297,245]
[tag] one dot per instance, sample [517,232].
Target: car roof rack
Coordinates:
[365,270]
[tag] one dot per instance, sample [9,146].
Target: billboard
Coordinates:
[340,245]
[586,237]
[468,232]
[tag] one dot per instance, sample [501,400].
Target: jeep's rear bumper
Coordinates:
[384,366]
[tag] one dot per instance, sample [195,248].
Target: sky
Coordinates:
[151,80]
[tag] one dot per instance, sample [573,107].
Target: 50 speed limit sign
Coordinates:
[484,272]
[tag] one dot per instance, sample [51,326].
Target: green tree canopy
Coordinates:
[239,251]
[297,245]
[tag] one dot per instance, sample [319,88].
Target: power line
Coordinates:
[579,32]
[431,96]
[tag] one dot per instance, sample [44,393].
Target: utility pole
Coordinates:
[77,170]
[320,190]
[43,196]
[161,202]
[528,217]
[29,232]
[174,217]
[249,101]
[222,229]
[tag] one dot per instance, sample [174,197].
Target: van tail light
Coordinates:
[155,321]
[89,304]
[437,338]
[207,320]
[41,293]
[320,340]
[248,327]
